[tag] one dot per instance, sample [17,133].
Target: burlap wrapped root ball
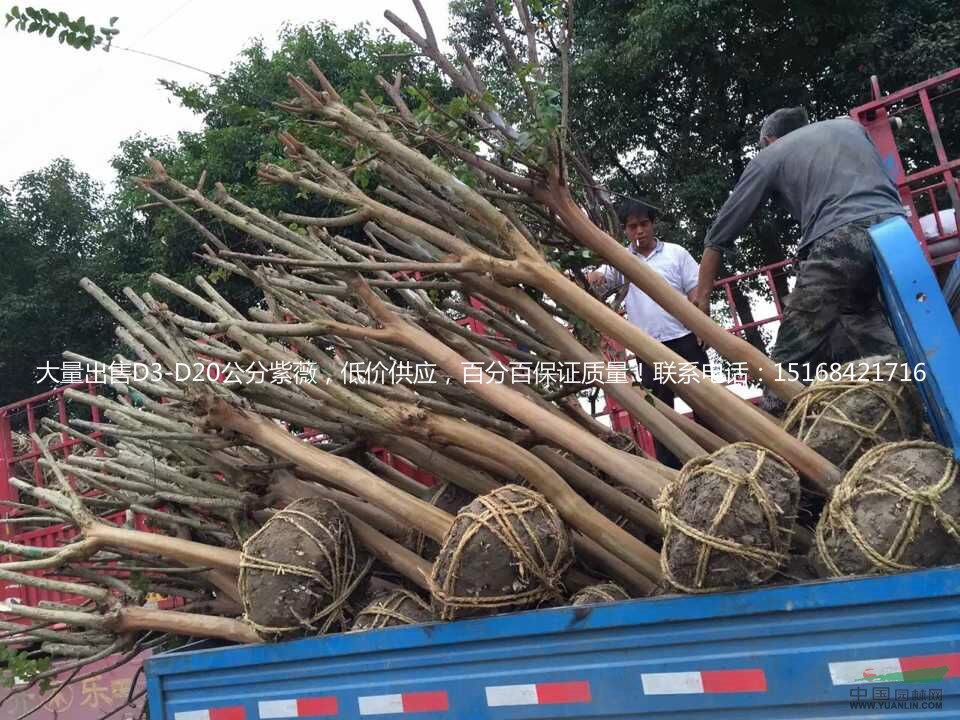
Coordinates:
[728,519]
[299,569]
[896,509]
[843,419]
[506,550]
[400,607]
[601,593]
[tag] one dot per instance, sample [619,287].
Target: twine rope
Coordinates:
[417,538]
[821,405]
[336,545]
[709,541]
[379,613]
[604,592]
[499,511]
[864,479]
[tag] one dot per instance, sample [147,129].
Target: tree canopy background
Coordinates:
[666,101]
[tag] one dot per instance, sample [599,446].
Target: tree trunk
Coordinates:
[745,314]
[337,471]
[708,399]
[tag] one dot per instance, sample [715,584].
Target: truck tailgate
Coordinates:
[885,647]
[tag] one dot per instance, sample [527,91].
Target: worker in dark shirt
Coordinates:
[830,177]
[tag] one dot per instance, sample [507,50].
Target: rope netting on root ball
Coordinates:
[602,593]
[506,550]
[896,509]
[400,607]
[728,519]
[874,403]
[298,571]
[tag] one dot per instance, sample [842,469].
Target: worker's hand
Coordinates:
[595,278]
[701,300]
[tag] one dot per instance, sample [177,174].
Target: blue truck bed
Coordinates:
[869,648]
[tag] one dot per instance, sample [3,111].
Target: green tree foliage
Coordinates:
[692,82]
[239,133]
[668,95]
[241,120]
[19,665]
[53,230]
[56,225]
[76,32]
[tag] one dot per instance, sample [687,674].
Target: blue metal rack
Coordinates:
[923,323]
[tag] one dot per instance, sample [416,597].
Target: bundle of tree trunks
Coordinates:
[252,441]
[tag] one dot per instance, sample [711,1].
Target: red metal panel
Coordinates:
[874,116]
[28,408]
[406,467]
[7,491]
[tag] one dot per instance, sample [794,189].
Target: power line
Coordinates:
[169,60]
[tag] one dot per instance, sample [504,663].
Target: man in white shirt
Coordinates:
[681,272]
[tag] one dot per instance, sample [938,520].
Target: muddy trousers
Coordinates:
[834,313]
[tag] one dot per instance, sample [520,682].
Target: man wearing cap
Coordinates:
[679,269]
[831,179]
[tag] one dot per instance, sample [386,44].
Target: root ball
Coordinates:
[298,570]
[506,550]
[400,607]
[729,518]
[896,509]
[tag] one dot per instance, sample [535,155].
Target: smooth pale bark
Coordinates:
[184,551]
[398,479]
[572,508]
[441,464]
[591,552]
[567,434]
[589,485]
[708,440]
[131,619]
[288,488]
[491,466]
[708,399]
[94,593]
[652,283]
[372,535]
[393,554]
[97,534]
[680,444]
[335,470]
[185,624]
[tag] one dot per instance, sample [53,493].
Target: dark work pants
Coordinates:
[834,313]
[690,350]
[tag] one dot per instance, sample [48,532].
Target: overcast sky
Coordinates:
[57,101]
